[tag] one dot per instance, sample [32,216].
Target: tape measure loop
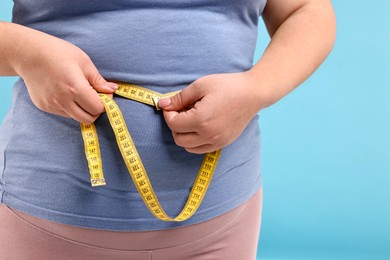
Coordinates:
[132,159]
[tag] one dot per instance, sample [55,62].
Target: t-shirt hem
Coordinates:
[147,224]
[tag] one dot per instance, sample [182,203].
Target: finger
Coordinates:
[207,148]
[58,112]
[79,114]
[88,99]
[184,99]
[181,122]
[96,80]
[75,112]
[189,140]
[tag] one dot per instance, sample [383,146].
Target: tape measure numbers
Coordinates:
[132,159]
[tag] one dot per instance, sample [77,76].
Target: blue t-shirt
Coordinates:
[162,45]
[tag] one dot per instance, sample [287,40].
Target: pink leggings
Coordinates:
[233,235]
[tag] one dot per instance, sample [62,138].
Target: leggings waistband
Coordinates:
[119,240]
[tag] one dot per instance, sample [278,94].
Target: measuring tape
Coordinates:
[132,159]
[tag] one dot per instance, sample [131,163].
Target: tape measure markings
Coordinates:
[92,153]
[132,159]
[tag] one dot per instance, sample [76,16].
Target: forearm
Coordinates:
[9,39]
[298,45]
[19,45]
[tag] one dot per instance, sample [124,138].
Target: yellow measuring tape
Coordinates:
[132,159]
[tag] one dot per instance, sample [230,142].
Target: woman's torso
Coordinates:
[162,45]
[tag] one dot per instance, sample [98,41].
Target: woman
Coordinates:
[66,52]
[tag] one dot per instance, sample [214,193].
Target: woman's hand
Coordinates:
[220,107]
[61,79]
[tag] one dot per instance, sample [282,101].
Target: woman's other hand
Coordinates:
[221,105]
[212,111]
[61,79]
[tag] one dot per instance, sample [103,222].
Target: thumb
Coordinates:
[182,100]
[96,80]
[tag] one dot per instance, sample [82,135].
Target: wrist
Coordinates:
[7,47]
[261,88]
[12,48]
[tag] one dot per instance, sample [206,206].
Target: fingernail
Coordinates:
[165,102]
[111,85]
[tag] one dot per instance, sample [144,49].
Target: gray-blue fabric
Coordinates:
[163,45]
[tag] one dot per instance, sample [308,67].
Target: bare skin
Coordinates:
[302,35]
[68,88]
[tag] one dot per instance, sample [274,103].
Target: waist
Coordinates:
[45,160]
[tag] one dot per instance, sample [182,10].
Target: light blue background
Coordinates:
[326,147]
